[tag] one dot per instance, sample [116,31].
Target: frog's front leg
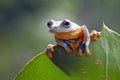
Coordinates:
[95,34]
[65,44]
[85,40]
[49,50]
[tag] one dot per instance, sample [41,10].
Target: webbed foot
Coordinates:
[94,34]
[79,52]
[49,50]
[87,52]
[83,49]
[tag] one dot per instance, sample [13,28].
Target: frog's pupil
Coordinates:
[67,23]
[48,24]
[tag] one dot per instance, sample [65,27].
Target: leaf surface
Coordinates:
[103,64]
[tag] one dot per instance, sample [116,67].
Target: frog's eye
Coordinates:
[66,24]
[50,23]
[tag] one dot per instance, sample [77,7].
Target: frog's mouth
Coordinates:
[68,35]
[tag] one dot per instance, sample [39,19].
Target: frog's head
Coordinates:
[64,29]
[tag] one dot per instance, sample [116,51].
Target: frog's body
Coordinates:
[70,36]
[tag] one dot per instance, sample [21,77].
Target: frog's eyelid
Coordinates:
[66,23]
[65,20]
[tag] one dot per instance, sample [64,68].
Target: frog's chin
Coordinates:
[67,35]
[51,31]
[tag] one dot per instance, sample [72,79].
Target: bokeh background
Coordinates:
[24,33]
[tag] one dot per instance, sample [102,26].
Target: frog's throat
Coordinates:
[68,35]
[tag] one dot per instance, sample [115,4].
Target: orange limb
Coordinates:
[49,54]
[81,38]
[77,43]
[72,46]
[68,50]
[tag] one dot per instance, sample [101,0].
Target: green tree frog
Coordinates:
[70,36]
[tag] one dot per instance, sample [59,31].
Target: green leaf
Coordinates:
[103,64]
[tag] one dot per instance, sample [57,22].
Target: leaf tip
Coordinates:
[105,28]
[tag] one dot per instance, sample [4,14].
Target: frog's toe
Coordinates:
[99,34]
[94,34]
[87,52]
[79,52]
[51,47]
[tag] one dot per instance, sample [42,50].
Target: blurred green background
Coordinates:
[23,30]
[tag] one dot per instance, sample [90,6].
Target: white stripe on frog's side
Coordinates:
[87,35]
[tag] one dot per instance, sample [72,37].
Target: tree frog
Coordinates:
[70,36]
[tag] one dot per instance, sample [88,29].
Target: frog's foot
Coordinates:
[79,52]
[87,52]
[49,50]
[83,49]
[94,34]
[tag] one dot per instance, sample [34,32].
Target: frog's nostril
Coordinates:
[49,24]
